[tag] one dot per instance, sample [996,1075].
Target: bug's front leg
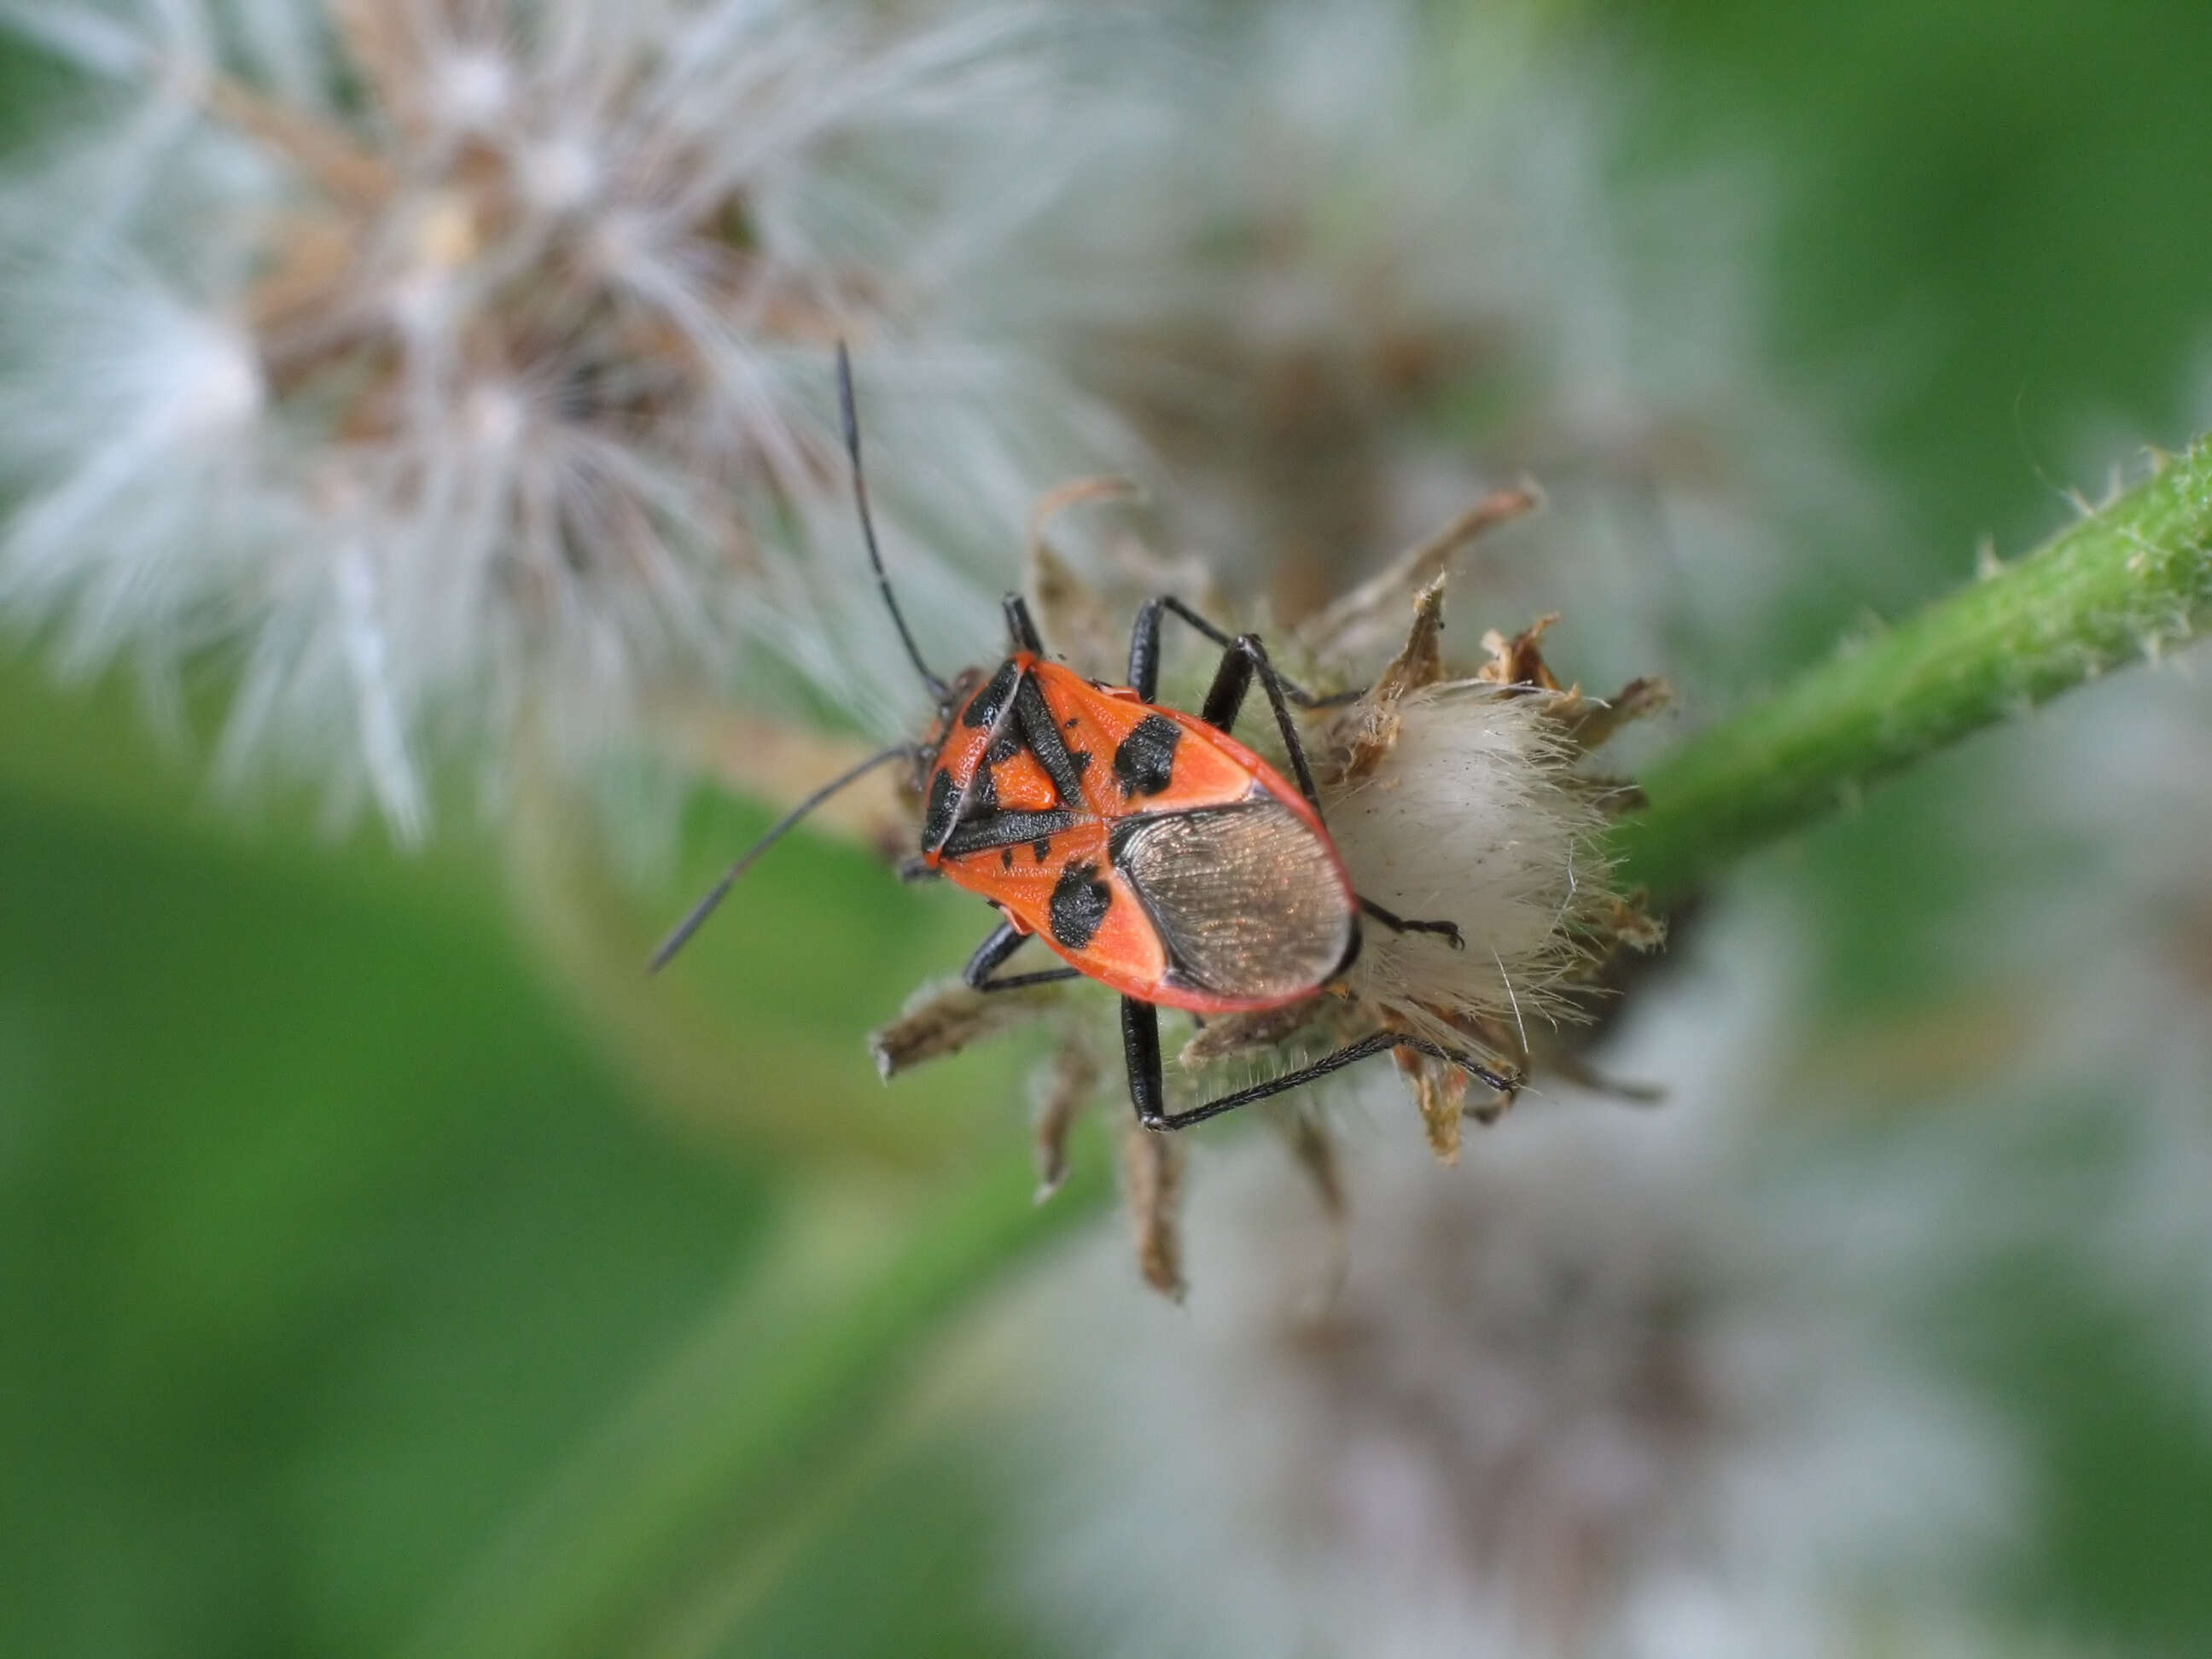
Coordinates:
[991,954]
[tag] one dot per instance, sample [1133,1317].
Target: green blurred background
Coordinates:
[329,1231]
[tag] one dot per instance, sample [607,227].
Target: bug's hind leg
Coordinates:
[1140,1046]
[1140,1051]
[1004,940]
[1448,930]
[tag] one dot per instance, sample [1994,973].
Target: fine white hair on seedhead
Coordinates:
[464,370]
[1472,817]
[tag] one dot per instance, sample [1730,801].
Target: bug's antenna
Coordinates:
[705,906]
[936,687]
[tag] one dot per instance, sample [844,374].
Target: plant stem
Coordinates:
[2127,580]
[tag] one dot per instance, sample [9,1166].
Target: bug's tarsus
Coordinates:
[1448,930]
[848,412]
[705,907]
[1141,1047]
[1004,940]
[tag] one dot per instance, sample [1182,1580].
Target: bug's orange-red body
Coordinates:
[1167,859]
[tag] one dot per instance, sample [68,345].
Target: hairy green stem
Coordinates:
[2127,582]
[767,1401]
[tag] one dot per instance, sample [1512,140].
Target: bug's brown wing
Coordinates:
[1249,899]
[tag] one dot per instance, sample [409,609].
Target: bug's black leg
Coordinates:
[1145,655]
[1244,658]
[916,869]
[1004,939]
[1021,628]
[1144,651]
[1140,1052]
[1147,1099]
[1449,931]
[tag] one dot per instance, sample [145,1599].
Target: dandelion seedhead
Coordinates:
[463,369]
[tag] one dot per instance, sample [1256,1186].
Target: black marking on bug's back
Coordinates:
[1004,830]
[1079,903]
[943,793]
[983,797]
[945,800]
[983,708]
[1041,848]
[1041,733]
[1144,763]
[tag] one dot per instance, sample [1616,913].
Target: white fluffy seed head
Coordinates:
[1473,817]
[467,372]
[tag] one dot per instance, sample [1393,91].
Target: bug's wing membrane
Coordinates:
[1248,899]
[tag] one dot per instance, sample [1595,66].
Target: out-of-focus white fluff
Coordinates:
[1407,261]
[1607,1387]
[1471,817]
[2101,1101]
[465,369]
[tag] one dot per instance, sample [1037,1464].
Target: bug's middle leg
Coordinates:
[1003,941]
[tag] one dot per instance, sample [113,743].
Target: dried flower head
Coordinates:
[1458,798]
[465,366]
[1612,1388]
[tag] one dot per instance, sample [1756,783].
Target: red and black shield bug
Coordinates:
[1145,846]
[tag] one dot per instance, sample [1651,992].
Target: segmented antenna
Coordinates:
[705,906]
[937,687]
